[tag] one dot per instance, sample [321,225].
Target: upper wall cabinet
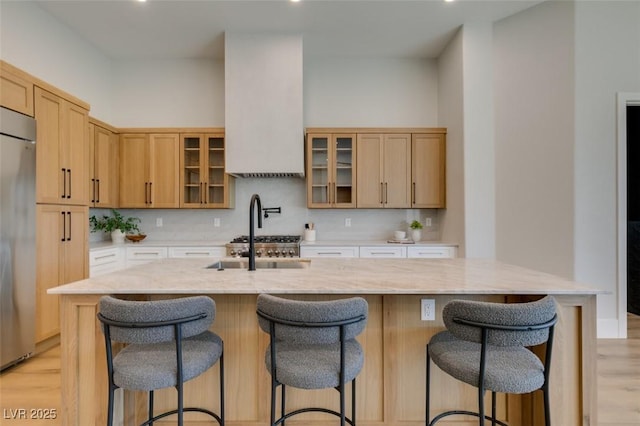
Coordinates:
[384,170]
[331,171]
[149,170]
[16,89]
[428,173]
[63,155]
[203,180]
[103,165]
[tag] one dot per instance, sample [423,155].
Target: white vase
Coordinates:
[416,235]
[117,237]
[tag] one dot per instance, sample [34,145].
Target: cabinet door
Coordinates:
[344,168]
[61,254]
[49,251]
[164,176]
[62,153]
[50,175]
[192,160]
[75,153]
[428,159]
[218,185]
[370,172]
[104,167]
[134,170]
[396,158]
[16,92]
[319,175]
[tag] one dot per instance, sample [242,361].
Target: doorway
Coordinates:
[633,208]
[628,208]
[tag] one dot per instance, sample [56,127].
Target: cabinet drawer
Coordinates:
[197,251]
[140,255]
[103,261]
[329,251]
[383,252]
[431,252]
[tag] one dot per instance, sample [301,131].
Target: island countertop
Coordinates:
[330,276]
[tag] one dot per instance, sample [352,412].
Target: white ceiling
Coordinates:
[162,29]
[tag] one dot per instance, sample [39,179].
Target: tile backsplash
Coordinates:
[290,195]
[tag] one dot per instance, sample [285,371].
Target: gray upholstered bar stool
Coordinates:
[168,342]
[486,345]
[313,346]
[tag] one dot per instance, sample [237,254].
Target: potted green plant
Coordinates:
[416,230]
[117,225]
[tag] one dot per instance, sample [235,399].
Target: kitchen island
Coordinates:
[391,384]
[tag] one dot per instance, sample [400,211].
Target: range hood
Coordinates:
[264,133]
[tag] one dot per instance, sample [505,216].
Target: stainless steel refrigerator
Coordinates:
[17,236]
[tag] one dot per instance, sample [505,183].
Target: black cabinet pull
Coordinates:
[93,185]
[69,194]
[98,190]
[69,239]
[146,192]
[64,225]
[150,193]
[64,183]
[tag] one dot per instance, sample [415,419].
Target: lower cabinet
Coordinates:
[197,252]
[61,252]
[432,252]
[141,255]
[105,260]
[383,252]
[330,251]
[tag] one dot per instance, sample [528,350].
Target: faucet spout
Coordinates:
[255,199]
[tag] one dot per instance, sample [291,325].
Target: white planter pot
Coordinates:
[117,237]
[416,235]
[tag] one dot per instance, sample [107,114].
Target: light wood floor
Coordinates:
[35,384]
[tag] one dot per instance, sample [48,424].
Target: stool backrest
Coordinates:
[501,314]
[310,315]
[138,317]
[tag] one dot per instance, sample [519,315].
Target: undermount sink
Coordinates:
[270,263]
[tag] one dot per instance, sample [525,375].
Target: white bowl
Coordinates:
[400,235]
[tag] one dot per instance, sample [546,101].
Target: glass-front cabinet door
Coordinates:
[331,170]
[204,181]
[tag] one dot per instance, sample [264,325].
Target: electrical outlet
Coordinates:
[159,222]
[427,221]
[347,222]
[216,222]
[428,309]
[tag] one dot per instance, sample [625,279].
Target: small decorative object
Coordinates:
[416,230]
[116,224]
[136,238]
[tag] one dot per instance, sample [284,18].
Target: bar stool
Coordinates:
[485,345]
[168,343]
[313,346]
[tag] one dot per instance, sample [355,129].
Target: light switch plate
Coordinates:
[428,309]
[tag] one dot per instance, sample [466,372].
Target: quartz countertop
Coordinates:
[329,276]
[221,243]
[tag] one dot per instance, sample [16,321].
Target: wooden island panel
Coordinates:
[390,388]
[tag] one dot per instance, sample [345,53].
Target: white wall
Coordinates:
[534,130]
[168,93]
[451,116]
[359,92]
[479,149]
[32,40]
[607,61]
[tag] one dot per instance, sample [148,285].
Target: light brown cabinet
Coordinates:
[61,256]
[331,170]
[149,170]
[62,157]
[428,160]
[384,170]
[203,181]
[16,89]
[103,166]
